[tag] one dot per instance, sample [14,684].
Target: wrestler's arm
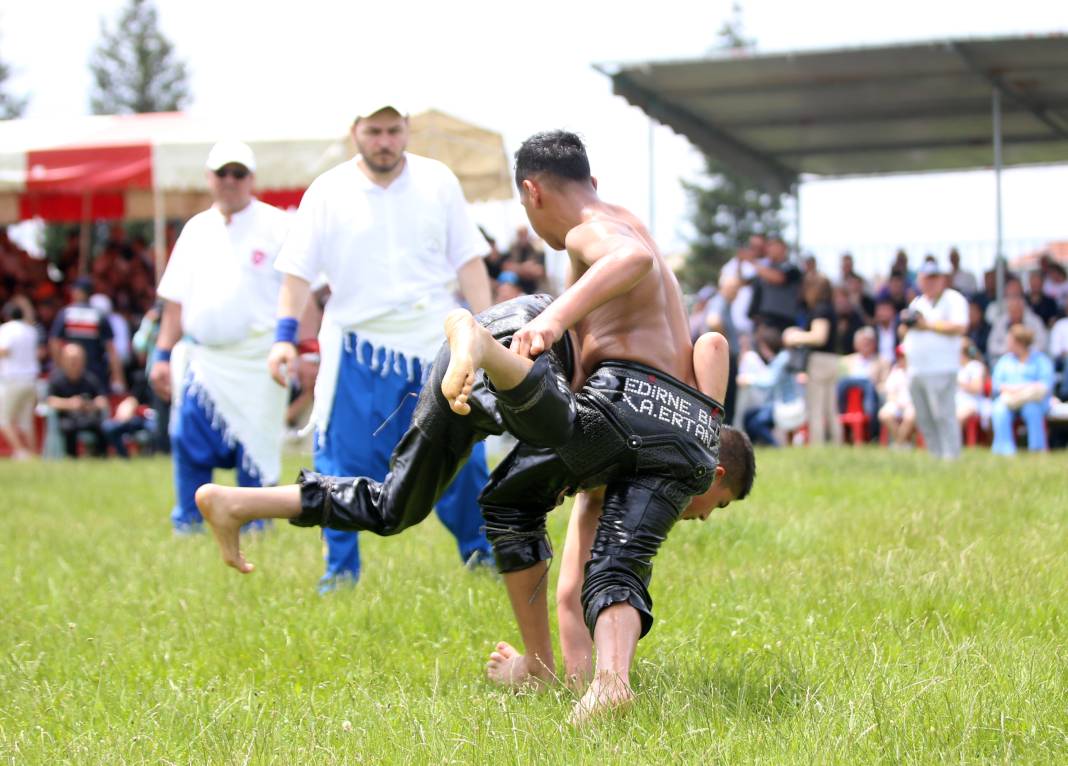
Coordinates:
[614,263]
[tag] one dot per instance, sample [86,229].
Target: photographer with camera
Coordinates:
[932,325]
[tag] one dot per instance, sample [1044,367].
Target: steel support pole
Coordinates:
[998,244]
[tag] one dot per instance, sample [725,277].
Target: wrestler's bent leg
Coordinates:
[525,487]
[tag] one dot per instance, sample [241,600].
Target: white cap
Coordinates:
[227,152]
[372,105]
[930,268]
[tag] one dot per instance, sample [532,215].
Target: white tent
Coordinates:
[151,166]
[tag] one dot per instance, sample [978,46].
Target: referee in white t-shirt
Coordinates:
[934,323]
[392,235]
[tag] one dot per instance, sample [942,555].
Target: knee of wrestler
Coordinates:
[513,548]
[611,580]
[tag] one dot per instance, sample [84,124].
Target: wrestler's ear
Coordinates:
[533,192]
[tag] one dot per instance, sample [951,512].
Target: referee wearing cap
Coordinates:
[220,289]
[391,234]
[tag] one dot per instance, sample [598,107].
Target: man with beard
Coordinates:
[391,233]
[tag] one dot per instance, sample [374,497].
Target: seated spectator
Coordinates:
[1016,312]
[120,329]
[866,370]
[783,408]
[847,271]
[130,418]
[751,366]
[1058,351]
[78,399]
[901,266]
[885,326]
[1021,383]
[896,291]
[963,282]
[527,260]
[1044,307]
[897,416]
[1013,288]
[861,301]
[18,374]
[507,287]
[971,385]
[83,325]
[1055,284]
[978,328]
[988,295]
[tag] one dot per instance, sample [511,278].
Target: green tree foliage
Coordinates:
[10,106]
[727,211]
[135,68]
[727,208]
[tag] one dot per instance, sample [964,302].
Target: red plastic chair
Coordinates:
[855,420]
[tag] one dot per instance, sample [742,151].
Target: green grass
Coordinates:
[861,607]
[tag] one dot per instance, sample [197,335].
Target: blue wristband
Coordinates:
[286,331]
[161,355]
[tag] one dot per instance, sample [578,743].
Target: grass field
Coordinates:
[861,607]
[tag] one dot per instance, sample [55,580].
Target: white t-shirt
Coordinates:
[743,300]
[972,372]
[19,339]
[390,255]
[224,275]
[1058,339]
[933,353]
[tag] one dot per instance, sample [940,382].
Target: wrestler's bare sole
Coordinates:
[220,511]
[467,339]
[607,693]
[227,509]
[509,668]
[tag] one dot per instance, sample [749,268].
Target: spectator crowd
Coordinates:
[922,356]
[99,397]
[816,358]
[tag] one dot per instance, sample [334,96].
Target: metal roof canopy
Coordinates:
[900,108]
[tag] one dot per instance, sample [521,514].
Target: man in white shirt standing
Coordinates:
[221,290]
[935,320]
[391,233]
[18,374]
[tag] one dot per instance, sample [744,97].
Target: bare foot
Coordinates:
[221,515]
[508,667]
[606,693]
[465,345]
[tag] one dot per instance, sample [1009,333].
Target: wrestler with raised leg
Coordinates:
[638,426]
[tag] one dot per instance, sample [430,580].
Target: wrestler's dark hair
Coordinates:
[737,458]
[555,152]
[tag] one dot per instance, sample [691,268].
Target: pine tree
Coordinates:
[135,68]
[727,208]
[10,106]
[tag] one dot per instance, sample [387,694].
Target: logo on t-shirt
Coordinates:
[258,257]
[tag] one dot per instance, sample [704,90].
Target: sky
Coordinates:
[523,67]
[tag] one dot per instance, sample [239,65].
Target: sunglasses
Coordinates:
[237,173]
